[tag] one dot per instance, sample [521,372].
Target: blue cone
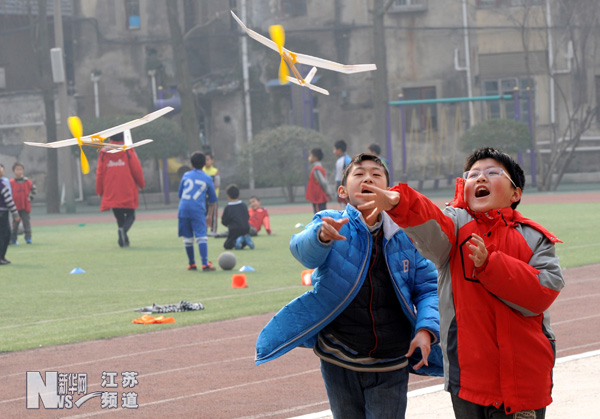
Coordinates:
[77,271]
[246,268]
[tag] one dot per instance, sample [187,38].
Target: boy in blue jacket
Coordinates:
[373,313]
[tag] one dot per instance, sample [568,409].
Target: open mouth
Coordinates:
[481,192]
[366,191]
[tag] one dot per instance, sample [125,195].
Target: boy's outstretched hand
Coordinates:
[330,229]
[377,201]
[422,340]
[479,251]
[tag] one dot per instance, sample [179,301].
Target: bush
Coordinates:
[504,134]
[280,157]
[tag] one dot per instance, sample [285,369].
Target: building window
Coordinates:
[423,116]
[491,4]
[506,109]
[294,8]
[132,13]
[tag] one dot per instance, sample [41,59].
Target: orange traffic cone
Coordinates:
[305,276]
[238,281]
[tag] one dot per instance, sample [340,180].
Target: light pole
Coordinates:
[64,155]
[95,78]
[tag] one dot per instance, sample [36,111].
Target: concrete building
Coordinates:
[119,60]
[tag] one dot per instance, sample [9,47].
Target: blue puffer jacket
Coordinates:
[341,267]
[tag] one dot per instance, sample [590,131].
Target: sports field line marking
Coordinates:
[290,410]
[575,320]
[204,393]
[579,297]
[132,354]
[131,310]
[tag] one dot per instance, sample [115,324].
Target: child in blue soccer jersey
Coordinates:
[194,189]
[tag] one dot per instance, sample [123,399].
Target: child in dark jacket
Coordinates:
[235,218]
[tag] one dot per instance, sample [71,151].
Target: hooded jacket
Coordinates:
[497,342]
[341,267]
[118,177]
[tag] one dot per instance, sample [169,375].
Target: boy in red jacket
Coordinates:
[23,191]
[499,274]
[118,177]
[317,191]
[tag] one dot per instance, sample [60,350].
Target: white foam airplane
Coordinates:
[97,139]
[290,58]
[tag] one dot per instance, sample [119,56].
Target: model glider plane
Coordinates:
[97,139]
[289,59]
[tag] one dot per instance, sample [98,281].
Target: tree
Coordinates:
[380,77]
[580,20]
[189,118]
[576,23]
[41,45]
[280,157]
[505,134]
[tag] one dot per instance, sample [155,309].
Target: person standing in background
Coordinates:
[213,172]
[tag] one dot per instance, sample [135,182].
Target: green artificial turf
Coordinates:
[43,304]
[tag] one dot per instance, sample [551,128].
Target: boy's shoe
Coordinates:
[13,242]
[240,243]
[4,261]
[192,267]
[28,241]
[248,241]
[208,267]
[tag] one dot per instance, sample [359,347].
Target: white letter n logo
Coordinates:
[36,390]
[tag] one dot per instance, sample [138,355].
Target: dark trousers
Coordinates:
[4,233]
[125,217]
[467,410]
[26,219]
[319,207]
[365,395]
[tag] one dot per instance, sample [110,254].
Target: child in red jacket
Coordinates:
[23,191]
[118,177]
[499,274]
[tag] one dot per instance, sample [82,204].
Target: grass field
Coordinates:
[43,304]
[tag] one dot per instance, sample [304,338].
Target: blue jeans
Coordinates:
[374,395]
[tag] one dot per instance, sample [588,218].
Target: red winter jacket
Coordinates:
[314,192]
[496,338]
[118,177]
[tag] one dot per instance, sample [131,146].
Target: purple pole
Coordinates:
[518,118]
[531,150]
[389,147]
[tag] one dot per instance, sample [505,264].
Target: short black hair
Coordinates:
[512,167]
[340,145]
[374,148]
[118,137]
[18,164]
[209,154]
[359,158]
[317,152]
[198,160]
[233,191]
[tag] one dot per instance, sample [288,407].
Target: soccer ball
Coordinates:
[227,261]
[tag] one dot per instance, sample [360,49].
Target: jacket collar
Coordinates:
[389,226]
[510,216]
